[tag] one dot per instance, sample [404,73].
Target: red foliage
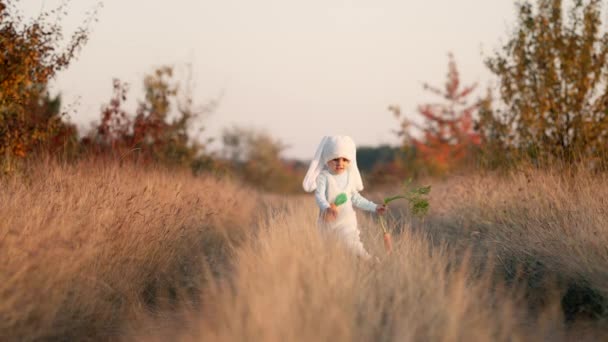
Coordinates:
[448,133]
[115,125]
[159,130]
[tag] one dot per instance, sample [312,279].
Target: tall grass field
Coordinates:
[100,251]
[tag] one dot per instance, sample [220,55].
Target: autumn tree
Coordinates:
[31,55]
[446,137]
[45,111]
[162,129]
[553,84]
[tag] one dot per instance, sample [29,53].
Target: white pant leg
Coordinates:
[351,237]
[344,227]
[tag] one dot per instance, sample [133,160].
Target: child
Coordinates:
[332,171]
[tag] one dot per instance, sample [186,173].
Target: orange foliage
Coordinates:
[30,58]
[159,131]
[448,132]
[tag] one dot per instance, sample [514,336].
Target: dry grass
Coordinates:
[104,252]
[550,226]
[86,248]
[291,286]
[520,257]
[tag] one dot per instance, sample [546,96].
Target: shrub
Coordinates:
[31,55]
[552,74]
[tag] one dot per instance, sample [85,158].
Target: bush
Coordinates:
[553,74]
[256,158]
[159,132]
[30,57]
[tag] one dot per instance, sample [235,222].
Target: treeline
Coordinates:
[550,107]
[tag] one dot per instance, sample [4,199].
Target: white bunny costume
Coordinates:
[328,186]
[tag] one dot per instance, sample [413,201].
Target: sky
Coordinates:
[297,70]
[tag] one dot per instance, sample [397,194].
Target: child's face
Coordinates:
[338,165]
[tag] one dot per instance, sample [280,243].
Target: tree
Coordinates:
[448,135]
[553,78]
[44,111]
[369,158]
[256,158]
[30,55]
[160,131]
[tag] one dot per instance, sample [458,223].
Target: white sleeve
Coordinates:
[362,202]
[320,191]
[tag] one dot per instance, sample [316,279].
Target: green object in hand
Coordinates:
[390,199]
[419,204]
[340,199]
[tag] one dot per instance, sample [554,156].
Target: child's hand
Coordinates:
[330,213]
[381,209]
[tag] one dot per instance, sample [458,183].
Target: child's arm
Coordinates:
[329,211]
[365,204]
[320,192]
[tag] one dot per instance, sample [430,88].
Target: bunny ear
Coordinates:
[316,166]
[355,175]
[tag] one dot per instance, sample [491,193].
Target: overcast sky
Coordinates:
[298,69]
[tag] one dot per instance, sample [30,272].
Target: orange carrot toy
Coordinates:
[419,205]
[388,241]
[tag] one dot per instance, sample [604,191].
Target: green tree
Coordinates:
[553,78]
